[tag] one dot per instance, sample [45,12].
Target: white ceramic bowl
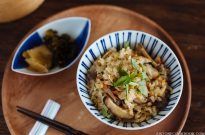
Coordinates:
[78,28]
[155,47]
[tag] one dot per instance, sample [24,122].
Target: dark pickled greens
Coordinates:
[62,47]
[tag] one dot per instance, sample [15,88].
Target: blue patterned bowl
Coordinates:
[155,47]
[78,28]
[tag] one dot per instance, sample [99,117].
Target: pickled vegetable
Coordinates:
[39,58]
[56,50]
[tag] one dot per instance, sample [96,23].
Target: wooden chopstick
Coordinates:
[52,123]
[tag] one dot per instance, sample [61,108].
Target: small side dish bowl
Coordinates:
[155,47]
[78,28]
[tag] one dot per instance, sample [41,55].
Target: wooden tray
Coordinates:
[33,92]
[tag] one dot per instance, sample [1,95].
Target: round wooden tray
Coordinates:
[33,92]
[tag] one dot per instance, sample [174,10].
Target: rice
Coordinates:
[128,85]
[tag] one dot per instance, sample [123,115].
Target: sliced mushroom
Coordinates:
[158,60]
[151,71]
[143,60]
[116,110]
[109,92]
[92,73]
[161,104]
[110,51]
[141,51]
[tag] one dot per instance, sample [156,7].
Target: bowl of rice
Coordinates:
[129,80]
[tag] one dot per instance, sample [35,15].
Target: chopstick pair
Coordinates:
[52,123]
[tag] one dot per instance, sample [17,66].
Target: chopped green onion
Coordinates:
[142,82]
[122,72]
[127,81]
[125,78]
[138,92]
[127,90]
[133,83]
[134,63]
[104,111]
[143,88]
[133,75]
[121,80]
[144,76]
[126,44]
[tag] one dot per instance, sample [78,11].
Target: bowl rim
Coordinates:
[131,128]
[20,44]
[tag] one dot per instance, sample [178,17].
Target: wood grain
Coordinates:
[32,92]
[184,20]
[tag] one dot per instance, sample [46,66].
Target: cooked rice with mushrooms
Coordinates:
[128,84]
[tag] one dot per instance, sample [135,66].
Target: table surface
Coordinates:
[184,20]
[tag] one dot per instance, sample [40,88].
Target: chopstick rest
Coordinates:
[50,110]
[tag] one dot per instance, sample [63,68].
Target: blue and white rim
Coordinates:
[155,47]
